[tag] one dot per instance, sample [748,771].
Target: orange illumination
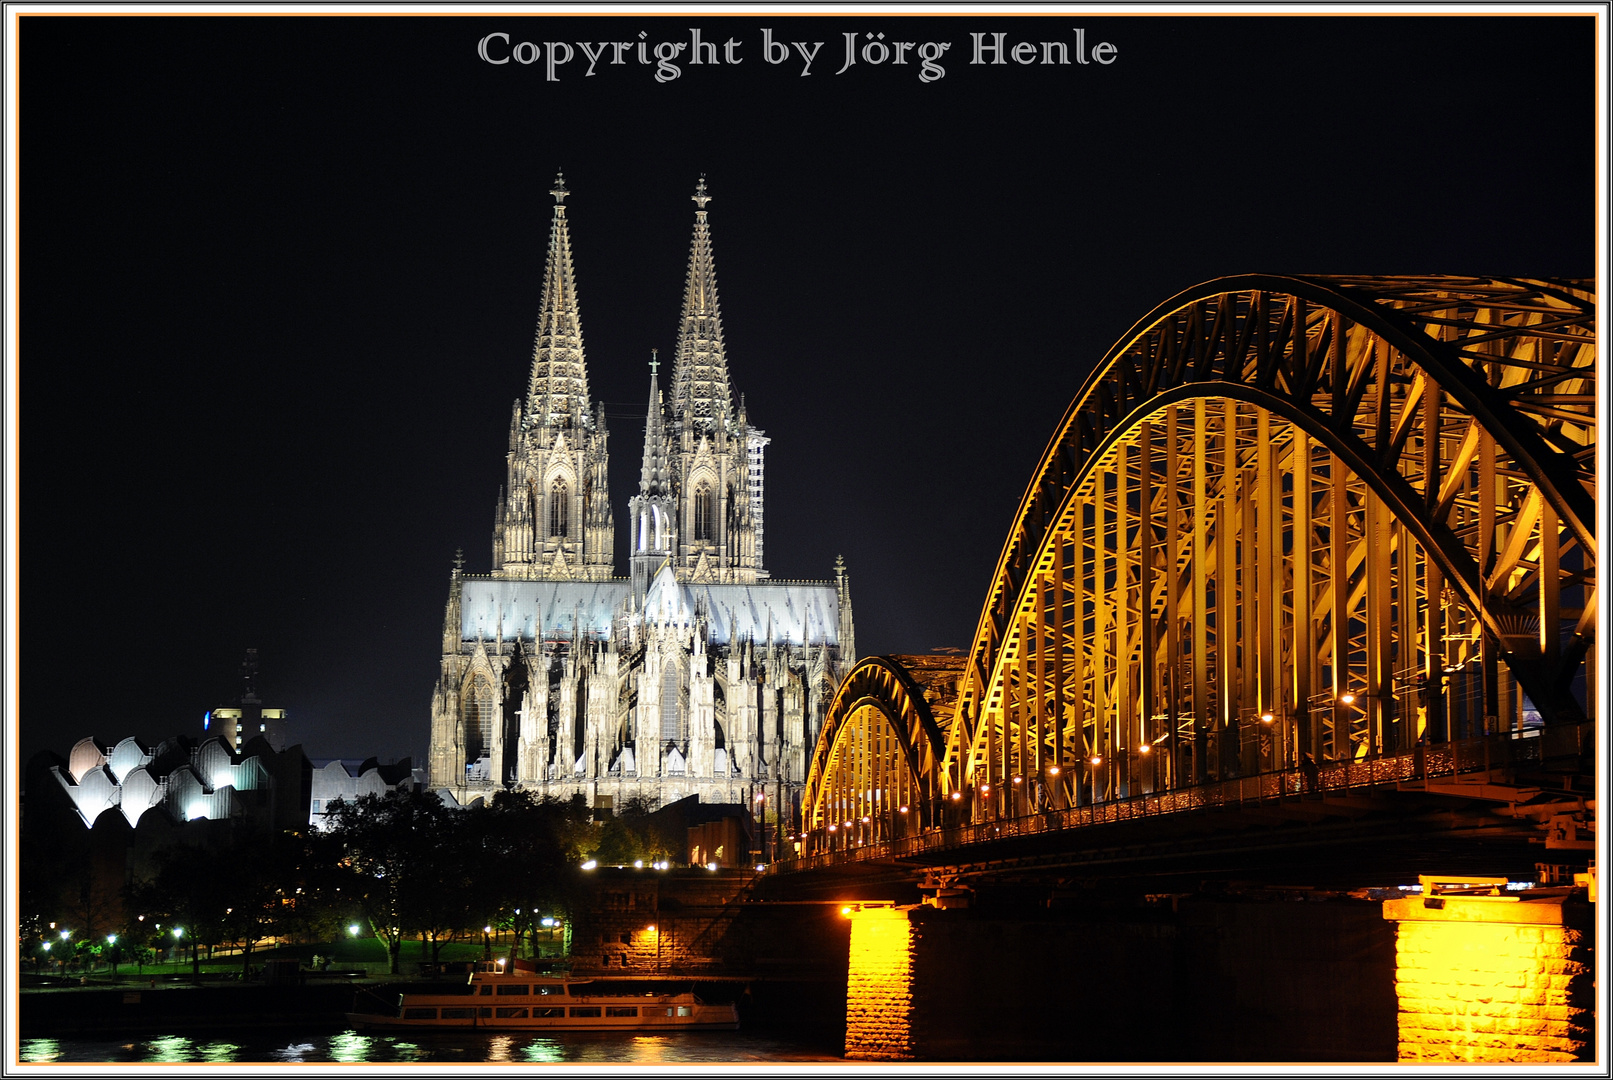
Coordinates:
[902,810]
[1144,748]
[1266,718]
[1017,779]
[957,795]
[985,787]
[1053,770]
[1348,699]
[879,987]
[846,911]
[1097,759]
[650,929]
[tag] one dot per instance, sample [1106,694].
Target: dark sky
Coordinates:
[279,278]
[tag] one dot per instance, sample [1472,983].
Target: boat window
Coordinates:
[518,990]
[683,1010]
[454,1012]
[509,1013]
[486,989]
[417,1013]
[550,990]
[585,1010]
[549,1013]
[487,1010]
[621,1010]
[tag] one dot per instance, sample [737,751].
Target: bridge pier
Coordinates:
[1197,979]
[1503,977]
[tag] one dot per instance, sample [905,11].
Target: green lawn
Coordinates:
[348,954]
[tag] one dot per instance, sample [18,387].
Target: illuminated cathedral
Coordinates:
[696,674]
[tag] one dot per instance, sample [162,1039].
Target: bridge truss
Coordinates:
[1287,523]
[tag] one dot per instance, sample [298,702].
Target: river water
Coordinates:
[302,1045]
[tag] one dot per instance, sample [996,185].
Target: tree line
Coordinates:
[400,866]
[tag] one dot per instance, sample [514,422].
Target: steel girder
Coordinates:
[879,736]
[1427,444]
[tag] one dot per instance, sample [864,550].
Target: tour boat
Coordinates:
[523,1001]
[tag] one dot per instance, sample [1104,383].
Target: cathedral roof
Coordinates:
[700,365]
[558,387]
[796,613]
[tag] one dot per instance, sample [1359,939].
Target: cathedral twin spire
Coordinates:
[557,391]
[700,392]
[700,486]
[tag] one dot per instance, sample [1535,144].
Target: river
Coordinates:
[295,1045]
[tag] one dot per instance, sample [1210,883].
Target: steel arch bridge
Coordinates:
[1288,525]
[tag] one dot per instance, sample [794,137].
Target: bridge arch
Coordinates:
[875,772]
[1287,524]
[1166,609]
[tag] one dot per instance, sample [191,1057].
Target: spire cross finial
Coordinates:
[559,190]
[653,361]
[700,198]
[459,559]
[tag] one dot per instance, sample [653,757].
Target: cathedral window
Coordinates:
[702,513]
[669,706]
[478,720]
[558,504]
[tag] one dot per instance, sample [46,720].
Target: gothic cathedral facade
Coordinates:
[696,674]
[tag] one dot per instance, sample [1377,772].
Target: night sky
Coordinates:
[279,279]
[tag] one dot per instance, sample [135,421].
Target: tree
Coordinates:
[531,847]
[392,846]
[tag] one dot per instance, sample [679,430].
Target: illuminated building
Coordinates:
[694,675]
[239,723]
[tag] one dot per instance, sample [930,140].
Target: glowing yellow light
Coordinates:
[902,810]
[1052,770]
[1144,748]
[957,795]
[1096,759]
[879,990]
[846,911]
[1348,699]
[1266,718]
[866,819]
[1017,779]
[985,787]
[650,929]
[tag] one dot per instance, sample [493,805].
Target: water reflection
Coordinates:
[219,1051]
[350,1046]
[543,1050]
[304,1046]
[294,1052]
[40,1050]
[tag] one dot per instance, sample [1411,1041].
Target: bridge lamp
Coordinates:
[1018,779]
[846,911]
[1144,748]
[985,788]
[1266,718]
[832,828]
[1096,759]
[901,810]
[1052,770]
[1348,699]
[866,819]
[956,795]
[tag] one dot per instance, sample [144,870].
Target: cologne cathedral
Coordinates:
[696,674]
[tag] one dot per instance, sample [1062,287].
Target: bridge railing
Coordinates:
[1473,758]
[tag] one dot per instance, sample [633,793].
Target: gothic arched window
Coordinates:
[702,513]
[558,504]
[478,716]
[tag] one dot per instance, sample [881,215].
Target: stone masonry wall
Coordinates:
[1491,990]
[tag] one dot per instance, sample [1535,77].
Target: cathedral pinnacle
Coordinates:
[559,190]
[700,198]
